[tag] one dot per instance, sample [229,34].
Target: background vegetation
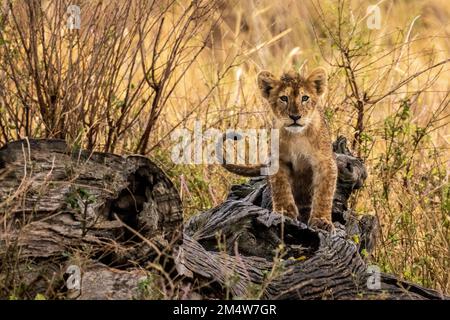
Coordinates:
[137,70]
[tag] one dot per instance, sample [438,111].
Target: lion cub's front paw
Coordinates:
[289,210]
[322,223]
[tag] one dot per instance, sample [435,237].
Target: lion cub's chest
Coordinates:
[298,153]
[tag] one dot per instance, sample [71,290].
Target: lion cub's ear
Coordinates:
[266,82]
[318,80]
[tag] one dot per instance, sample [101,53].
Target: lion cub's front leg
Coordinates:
[324,185]
[282,198]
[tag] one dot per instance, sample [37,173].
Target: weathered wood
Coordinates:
[57,203]
[333,270]
[239,244]
[101,282]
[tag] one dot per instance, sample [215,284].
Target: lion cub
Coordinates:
[307,169]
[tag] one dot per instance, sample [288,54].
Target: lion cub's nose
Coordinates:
[295,118]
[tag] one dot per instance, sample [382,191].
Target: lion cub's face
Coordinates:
[293,99]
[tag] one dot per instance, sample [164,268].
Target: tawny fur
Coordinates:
[307,169]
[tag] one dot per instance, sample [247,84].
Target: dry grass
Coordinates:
[389,94]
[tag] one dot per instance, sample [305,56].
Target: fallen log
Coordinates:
[58,204]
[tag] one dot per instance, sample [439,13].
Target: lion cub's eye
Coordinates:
[305,98]
[284,98]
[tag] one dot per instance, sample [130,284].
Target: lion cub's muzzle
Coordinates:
[295,122]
